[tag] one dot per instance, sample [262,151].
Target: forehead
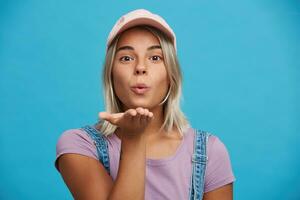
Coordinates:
[138,37]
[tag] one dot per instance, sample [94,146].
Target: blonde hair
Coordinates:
[173,116]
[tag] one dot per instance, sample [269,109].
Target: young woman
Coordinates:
[152,150]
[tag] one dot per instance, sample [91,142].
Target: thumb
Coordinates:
[104,115]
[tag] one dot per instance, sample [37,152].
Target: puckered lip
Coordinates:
[140,86]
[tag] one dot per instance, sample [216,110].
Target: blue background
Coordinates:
[240,61]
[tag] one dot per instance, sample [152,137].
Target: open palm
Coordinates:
[132,121]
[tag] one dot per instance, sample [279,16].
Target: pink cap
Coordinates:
[138,17]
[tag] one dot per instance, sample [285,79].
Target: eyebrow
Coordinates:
[131,48]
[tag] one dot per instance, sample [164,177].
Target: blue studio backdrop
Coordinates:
[240,63]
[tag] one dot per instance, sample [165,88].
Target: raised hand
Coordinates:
[132,122]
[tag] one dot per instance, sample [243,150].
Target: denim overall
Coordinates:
[199,158]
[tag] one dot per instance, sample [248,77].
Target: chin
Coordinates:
[140,103]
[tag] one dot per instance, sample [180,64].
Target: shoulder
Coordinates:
[75,141]
[216,147]
[73,135]
[218,170]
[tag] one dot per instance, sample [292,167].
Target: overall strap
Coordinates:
[199,160]
[101,144]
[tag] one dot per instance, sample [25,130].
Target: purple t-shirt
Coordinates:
[166,178]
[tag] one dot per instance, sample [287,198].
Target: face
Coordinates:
[139,73]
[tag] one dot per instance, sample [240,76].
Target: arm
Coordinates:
[219,176]
[222,193]
[87,178]
[130,181]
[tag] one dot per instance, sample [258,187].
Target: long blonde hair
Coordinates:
[173,116]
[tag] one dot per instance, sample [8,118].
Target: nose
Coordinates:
[140,70]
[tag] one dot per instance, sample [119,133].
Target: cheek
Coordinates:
[161,77]
[121,80]
[119,77]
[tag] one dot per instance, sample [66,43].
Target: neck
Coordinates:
[154,125]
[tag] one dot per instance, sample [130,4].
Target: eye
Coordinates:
[156,58]
[125,58]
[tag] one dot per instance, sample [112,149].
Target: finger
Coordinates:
[132,112]
[147,115]
[104,115]
[151,114]
[112,118]
[140,110]
[146,112]
[115,117]
[137,117]
[143,119]
[129,114]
